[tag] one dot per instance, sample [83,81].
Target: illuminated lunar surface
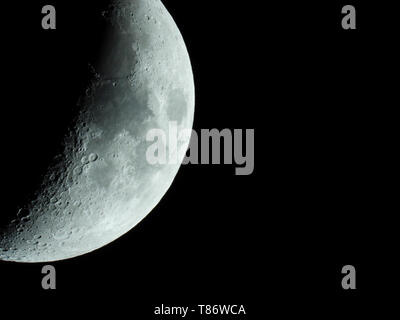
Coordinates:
[101,186]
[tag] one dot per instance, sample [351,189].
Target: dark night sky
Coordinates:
[321,101]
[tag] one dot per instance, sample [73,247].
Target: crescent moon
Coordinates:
[101,185]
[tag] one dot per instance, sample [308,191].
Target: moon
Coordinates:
[101,185]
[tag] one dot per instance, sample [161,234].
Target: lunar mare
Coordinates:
[101,185]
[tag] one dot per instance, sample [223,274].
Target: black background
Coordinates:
[322,101]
